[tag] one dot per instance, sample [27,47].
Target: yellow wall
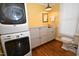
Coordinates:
[35,11]
[35,15]
[54,12]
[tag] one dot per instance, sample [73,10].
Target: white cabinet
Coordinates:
[43,30]
[41,35]
[35,41]
[34,32]
[51,34]
[44,39]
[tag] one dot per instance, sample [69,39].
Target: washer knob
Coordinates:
[17,36]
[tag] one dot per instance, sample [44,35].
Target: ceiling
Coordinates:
[45,4]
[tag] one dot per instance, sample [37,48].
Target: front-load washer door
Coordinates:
[17,47]
[12,13]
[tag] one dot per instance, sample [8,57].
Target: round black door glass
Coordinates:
[13,12]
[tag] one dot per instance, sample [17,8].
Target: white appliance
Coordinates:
[14,31]
[13,18]
[16,44]
[6,29]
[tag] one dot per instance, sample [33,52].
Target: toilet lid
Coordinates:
[66,39]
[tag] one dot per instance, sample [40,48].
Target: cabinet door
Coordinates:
[34,34]
[51,34]
[44,39]
[35,42]
[43,31]
[50,37]
[43,34]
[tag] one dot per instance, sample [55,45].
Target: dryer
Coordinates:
[13,18]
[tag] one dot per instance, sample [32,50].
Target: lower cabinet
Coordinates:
[35,42]
[41,35]
[44,39]
[34,35]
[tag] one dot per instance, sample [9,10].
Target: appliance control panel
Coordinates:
[14,36]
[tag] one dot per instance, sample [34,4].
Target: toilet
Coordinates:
[68,44]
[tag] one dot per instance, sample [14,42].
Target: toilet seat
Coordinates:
[66,40]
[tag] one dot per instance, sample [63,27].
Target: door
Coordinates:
[12,13]
[17,47]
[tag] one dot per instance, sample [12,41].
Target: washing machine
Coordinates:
[16,44]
